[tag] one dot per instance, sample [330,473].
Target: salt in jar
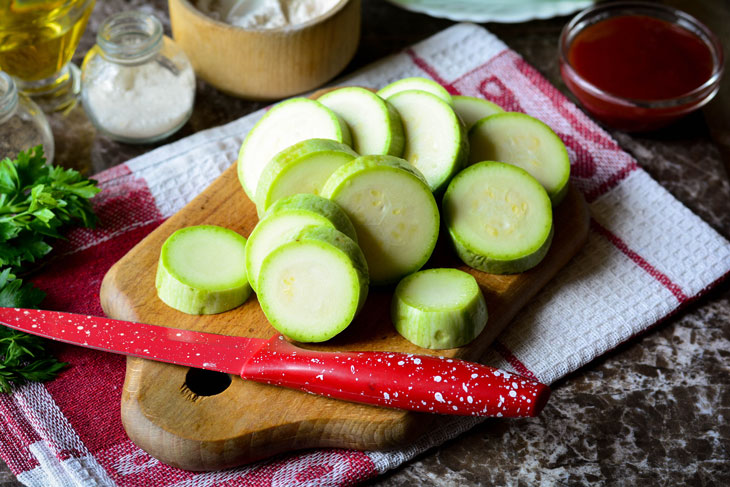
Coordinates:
[137,86]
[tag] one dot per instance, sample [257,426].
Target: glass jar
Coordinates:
[137,86]
[22,124]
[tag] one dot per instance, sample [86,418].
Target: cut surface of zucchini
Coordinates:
[374,124]
[284,125]
[202,270]
[439,308]
[415,83]
[499,218]
[526,142]
[315,204]
[436,142]
[301,168]
[285,217]
[472,109]
[394,213]
[312,286]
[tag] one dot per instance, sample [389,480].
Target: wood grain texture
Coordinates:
[267,64]
[250,421]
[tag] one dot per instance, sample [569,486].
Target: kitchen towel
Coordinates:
[646,256]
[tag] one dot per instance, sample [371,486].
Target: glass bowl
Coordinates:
[632,114]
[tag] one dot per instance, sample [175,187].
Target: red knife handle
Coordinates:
[397,380]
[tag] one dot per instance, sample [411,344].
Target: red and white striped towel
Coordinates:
[646,256]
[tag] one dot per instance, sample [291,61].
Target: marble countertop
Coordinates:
[654,411]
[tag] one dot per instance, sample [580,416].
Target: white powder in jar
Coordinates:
[140,102]
[265,14]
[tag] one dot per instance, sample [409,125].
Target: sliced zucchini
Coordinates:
[300,168]
[439,308]
[415,83]
[499,218]
[472,109]
[374,124]
[312,286]
[287,216]
[284,125]
[436,141]
[394,213]
[202,270]
[525,142]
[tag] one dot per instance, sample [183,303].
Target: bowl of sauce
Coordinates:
[639,66]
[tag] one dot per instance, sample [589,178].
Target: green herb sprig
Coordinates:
[37,201]
[22,357]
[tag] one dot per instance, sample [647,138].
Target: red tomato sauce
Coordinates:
[641,58]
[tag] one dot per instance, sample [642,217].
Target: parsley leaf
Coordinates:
[37,201]
[15,294]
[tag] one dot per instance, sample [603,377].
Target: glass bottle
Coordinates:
[137,85]
[38,39]
[22,124]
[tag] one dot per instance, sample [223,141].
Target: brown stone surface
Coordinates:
[652,412]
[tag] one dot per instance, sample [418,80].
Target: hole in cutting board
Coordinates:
[207,382]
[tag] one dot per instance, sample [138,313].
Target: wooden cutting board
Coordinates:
[175,414]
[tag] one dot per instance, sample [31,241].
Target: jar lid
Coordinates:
[130,37]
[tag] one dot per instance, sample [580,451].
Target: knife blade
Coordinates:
[421,383]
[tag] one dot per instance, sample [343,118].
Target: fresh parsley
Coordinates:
[37,201]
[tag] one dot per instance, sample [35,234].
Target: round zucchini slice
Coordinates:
[393,210]
[202,270]
[472,109]
[436,142]
[526,142]
[415,83]
[439,308]
[375,125]
[499,218]
[285,124]
[312,286]
[301,168]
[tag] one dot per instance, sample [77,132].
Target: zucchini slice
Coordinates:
[287,216]
[439,308]
[472,109]
[415,83]
[436,141]
[284,125]
[301,168]
[312,286]
[499,218]
[202,270]
[375,125]
[394,213]
[526,142]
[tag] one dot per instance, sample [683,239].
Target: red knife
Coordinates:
[405,381]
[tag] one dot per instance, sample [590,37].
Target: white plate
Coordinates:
[493,10]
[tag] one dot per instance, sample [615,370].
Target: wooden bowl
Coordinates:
[267,64]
